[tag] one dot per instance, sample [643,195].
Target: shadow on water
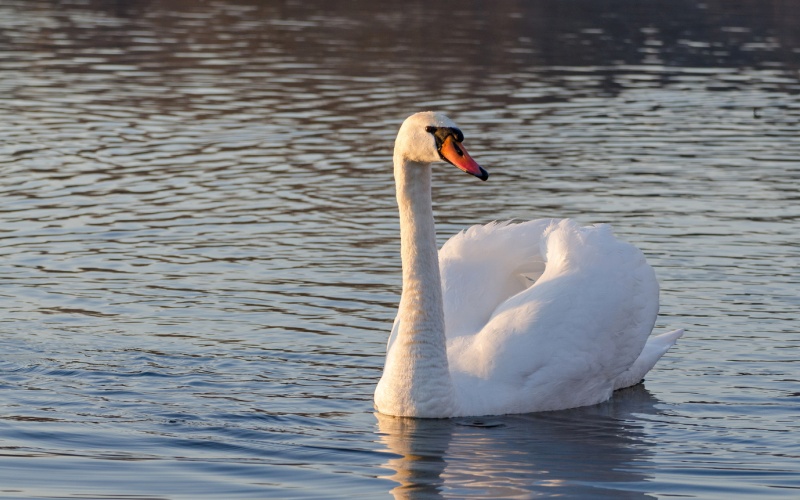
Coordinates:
[515,456]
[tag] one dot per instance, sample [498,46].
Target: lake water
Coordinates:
[199,244]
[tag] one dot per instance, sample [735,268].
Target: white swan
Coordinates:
[508,318]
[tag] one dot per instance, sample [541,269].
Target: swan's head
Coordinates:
[430,137]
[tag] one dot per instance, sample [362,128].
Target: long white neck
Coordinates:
[421,306]
[416,378]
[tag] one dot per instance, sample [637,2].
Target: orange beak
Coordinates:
[454,152]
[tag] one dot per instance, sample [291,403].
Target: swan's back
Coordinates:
[557,343]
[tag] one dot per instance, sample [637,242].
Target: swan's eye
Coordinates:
[431,129]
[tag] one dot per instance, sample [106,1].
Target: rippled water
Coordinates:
[199,248]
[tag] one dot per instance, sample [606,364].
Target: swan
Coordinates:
[508,317]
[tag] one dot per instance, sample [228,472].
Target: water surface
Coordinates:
[200,257]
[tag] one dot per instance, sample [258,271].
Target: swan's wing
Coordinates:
[564,340]
[597,299]
[484,266]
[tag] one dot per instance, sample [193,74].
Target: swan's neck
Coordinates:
[416,379]
[421,306]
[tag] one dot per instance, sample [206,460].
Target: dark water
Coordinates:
[199,249]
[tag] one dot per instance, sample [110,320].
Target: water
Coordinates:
[200,259]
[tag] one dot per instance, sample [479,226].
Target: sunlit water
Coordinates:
[200,258]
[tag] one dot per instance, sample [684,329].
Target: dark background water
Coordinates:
[200,259]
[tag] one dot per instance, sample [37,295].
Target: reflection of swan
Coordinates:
[589,452]
[479,339]
[421,445]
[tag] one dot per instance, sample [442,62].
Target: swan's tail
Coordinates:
[655,348]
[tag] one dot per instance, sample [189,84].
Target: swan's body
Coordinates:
[509,318]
